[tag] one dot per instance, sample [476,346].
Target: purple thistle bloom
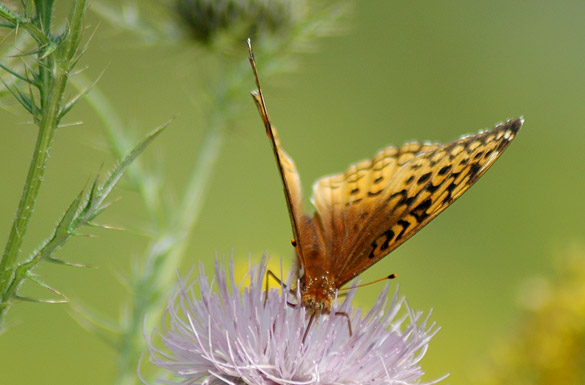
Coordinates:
[233,337]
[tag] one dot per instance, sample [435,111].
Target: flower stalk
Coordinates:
[56,58]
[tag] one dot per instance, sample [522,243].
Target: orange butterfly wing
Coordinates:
[376,205]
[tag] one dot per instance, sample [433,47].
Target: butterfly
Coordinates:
[363,214]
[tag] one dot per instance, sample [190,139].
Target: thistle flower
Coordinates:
[240,336]
[242,18]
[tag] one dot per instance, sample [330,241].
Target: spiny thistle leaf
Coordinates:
[21,97]
[84,208]
[46,286]
[32,52]
[73,102]
[106,227]
[63,227]
[59,261]
[10,15]
[15,74]
[126,161]
[39,300]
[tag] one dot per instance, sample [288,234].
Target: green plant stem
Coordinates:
[209,151]
[163,257]
[53,75]
[47,127]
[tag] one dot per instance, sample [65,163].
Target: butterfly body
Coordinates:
[317,281]
[364,213]
[318,292]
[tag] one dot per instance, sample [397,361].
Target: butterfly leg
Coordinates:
[338,313]
[269,274]
[344,314]
[308,327]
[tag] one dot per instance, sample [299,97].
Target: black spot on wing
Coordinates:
[444,170]
[424,178]
[404,224]
[420,211]
[381,243]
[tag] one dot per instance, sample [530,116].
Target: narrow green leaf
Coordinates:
[21,97]
[39,300]
[105,227]
[10,15]
[49,49]
[62,231]
[90,199]
[77,97]
[64,226]
[47,286]
[81,50]
[82,210]
[31,52]
[72,37]
[14,73]
[127,160]
[59,261]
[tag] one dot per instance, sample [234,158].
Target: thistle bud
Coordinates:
[238,19]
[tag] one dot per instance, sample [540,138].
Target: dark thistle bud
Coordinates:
[238,19]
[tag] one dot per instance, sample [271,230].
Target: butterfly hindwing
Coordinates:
[343,201]
[377,204]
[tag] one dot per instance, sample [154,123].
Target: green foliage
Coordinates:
[51,60]
[39,87]
[82,211]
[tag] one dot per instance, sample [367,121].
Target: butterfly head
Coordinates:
[317,294]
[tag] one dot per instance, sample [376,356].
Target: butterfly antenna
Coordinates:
[391,276]
[257,95]
[259,99]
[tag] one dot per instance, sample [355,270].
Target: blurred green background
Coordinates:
[397,71]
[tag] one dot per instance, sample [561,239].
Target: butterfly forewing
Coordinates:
[376,205]
[288,172]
